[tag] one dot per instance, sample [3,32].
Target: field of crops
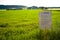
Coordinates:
[24,25]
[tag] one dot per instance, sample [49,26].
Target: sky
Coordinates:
[45,3]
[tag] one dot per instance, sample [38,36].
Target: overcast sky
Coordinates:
[45,3]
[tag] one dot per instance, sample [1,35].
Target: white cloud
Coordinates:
[31,2]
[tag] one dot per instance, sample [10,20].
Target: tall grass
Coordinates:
[24,25]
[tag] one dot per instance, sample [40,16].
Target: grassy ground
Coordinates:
[24,25]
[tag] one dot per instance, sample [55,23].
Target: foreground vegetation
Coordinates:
[24,25]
